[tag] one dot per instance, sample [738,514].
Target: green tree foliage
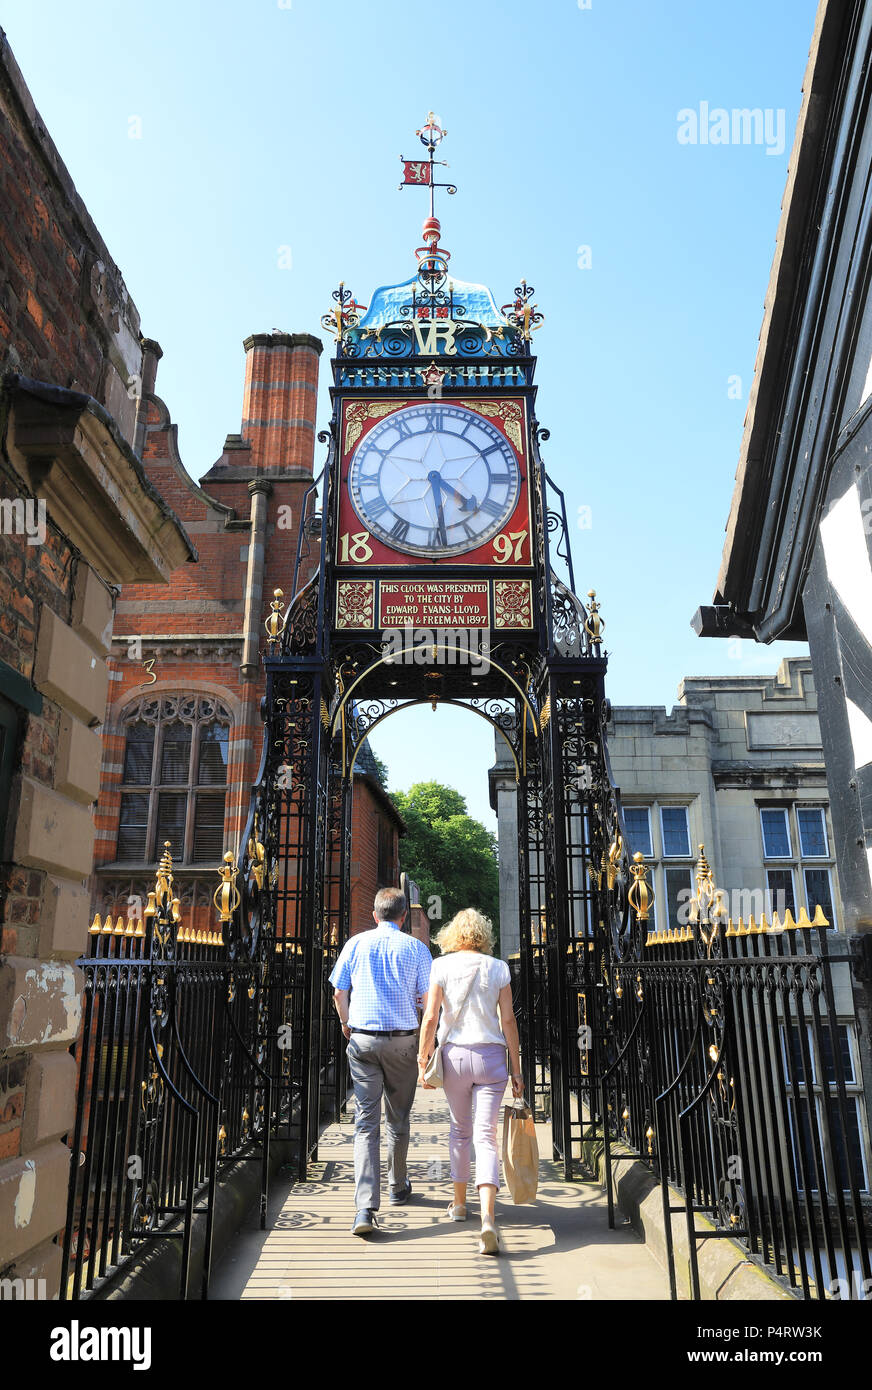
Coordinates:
[450,856]
[382,770]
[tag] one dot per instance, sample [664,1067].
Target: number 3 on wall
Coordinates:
[354,549]
[503,546]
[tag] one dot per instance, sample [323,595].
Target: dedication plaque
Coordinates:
[433,603]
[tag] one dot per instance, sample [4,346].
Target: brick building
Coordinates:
[95,502]
[182,736]
[78,518]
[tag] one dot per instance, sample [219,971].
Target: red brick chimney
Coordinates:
[279,405]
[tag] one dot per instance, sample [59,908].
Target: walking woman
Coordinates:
[478,1020]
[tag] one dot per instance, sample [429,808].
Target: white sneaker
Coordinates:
[456,1213]
[489,1241]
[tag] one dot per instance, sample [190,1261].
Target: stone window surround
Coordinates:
[796,861]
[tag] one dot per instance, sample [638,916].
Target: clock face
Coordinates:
[434,479]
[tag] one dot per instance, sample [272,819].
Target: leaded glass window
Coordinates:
[175,745]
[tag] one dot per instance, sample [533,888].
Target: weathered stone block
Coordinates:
[93,612]
[53,832]
[43,1267]
[63,922]
[50,1098]
[40,1002]
[80,751]
[33,1198]
[67,670]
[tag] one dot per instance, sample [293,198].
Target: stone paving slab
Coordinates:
[558,1248]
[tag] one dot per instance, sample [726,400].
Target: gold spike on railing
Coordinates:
[119,926]
[819,920]
[96,926]
[789,923]
[803,920]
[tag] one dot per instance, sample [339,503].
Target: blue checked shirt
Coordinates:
[387,972]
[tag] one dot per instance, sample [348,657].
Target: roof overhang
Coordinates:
[769,536]
[69,451]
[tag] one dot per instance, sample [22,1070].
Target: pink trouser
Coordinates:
[474,1075]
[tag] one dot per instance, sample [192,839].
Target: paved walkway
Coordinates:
[558,1248]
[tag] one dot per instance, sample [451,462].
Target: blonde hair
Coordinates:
[468,930]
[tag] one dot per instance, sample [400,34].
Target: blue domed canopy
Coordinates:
[475,301]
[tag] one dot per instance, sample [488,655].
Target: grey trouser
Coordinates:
[389,1065]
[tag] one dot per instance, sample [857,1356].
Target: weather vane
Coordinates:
[421,172]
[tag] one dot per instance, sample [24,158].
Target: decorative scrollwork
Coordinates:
[521,313]
[345,315]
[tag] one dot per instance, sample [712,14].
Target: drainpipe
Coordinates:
[259,490]
[249,667]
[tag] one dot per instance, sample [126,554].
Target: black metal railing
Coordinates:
[718,1057]
[170,1088]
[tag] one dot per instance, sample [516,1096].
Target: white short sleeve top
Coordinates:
[479,1023]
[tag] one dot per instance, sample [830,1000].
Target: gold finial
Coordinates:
[594,623]
[275,623]
[640,896]
[227,896]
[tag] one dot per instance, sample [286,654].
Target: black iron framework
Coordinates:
[711,1053]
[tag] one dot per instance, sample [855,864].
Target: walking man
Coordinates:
[387,974]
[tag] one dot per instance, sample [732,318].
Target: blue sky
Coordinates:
[266,124]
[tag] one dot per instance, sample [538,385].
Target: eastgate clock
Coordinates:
[434,480]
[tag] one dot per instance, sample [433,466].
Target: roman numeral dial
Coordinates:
[434,480]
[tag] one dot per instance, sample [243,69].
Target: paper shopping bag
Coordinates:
[520,1152]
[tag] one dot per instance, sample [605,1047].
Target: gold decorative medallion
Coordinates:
[513,603]
[355,603]
[359,412]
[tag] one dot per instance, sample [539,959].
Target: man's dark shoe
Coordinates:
[363,1223]
[401,1195]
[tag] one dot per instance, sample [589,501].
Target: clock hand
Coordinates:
[435,480]
[466,504]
